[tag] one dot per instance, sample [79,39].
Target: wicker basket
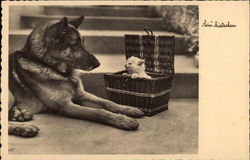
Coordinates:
[149,95]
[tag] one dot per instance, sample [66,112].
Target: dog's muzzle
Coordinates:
[92,66]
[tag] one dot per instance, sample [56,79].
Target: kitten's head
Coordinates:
[135,65]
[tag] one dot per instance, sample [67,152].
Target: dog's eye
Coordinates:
[64,33]
[129,63]
[74,44]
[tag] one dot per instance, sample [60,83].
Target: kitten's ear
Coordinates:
[141,62]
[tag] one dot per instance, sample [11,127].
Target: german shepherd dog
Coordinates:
[44,76]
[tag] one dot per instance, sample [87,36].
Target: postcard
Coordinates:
[125,80]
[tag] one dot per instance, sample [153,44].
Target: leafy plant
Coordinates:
[183,20]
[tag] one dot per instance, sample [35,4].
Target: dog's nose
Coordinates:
[94,62]
[97,63]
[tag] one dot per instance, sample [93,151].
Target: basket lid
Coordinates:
[157,51]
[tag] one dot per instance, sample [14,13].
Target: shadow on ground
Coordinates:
[171,132]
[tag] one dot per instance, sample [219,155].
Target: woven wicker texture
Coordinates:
[150,95]
[158,51]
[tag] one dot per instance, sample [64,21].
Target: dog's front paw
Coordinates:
[124,122]
[133,112]
[24,131]
[21,115]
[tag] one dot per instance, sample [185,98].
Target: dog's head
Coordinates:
[60,45]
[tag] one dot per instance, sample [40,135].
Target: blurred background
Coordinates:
[179,19]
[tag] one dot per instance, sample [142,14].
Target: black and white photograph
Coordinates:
[100,79]
[139,80]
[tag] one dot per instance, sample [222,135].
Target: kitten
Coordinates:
[136,68]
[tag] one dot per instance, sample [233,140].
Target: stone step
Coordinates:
[99,41]
[183,64]
[185,84]
[98,23]
[118,11]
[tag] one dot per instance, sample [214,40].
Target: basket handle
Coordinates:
[147,30]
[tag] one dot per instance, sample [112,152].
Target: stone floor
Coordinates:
[171,132]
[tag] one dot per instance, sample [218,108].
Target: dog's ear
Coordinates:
[63,22]
[77,22]
[59,26]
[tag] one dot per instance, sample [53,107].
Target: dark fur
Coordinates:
[45,77]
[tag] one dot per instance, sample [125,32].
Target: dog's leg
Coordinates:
[16,113]
[98,115]
[20,115]
[90,100]
[22,130]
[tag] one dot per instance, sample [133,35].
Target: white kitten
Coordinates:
[136,68]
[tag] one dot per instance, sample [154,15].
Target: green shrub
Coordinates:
[183,20]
